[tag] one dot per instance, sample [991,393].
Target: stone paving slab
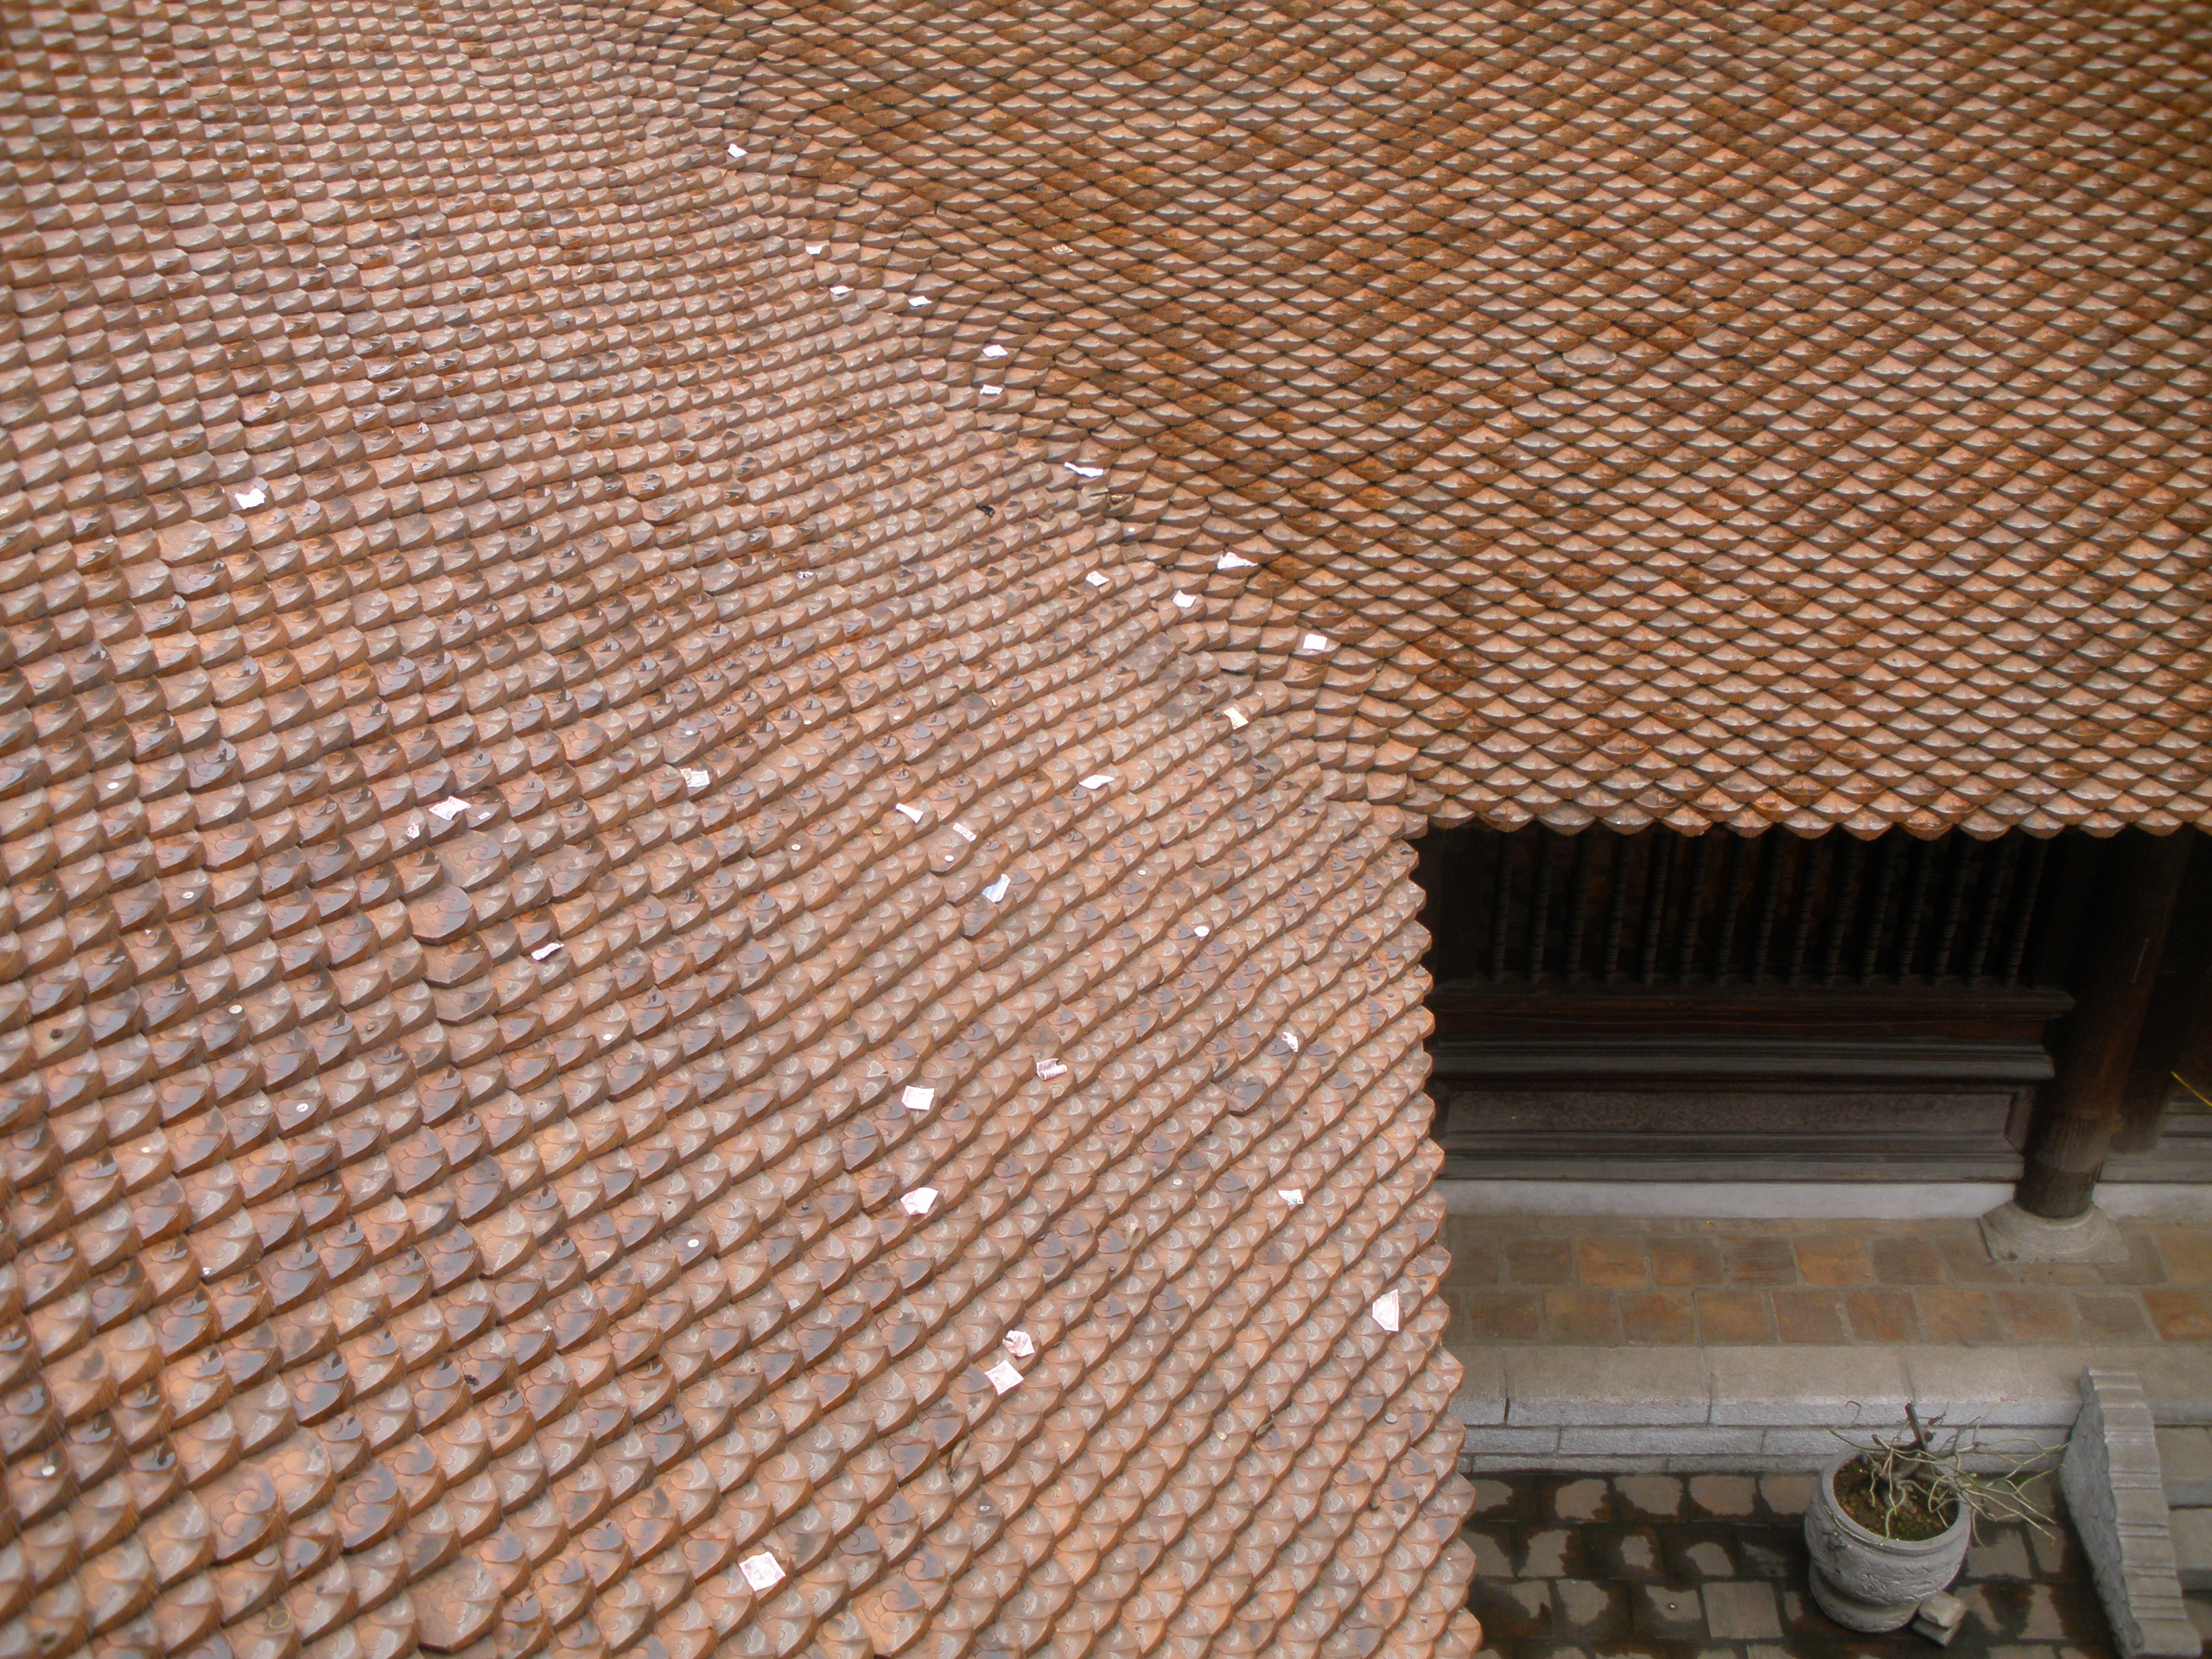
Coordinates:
[1657,1567]
[2192,1534]
[2185,1462]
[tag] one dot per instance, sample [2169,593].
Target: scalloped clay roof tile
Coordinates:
[488,546]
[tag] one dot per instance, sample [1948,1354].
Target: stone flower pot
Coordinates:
[1866,1582]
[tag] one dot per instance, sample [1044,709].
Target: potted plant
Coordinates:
[1890,1521]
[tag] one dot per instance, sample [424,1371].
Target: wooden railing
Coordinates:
[1658,909]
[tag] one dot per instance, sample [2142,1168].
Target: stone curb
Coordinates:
[1622,1409]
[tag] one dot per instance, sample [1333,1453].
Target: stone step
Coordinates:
[2185,1464]
[2200,1614]
[2192,1530]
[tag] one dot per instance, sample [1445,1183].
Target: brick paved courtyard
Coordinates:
[1600,1280]
[1714,1568]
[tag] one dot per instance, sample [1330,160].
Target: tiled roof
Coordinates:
[1752,414]
[651,1011]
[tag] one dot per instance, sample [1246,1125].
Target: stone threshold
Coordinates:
[1719,1410]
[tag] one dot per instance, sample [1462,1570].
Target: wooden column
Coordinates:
[2082,1107]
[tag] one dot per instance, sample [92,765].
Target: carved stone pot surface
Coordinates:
[1866,1582]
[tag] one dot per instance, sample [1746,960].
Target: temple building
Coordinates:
[787,773]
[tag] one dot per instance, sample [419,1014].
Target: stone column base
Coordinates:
[2013,1233]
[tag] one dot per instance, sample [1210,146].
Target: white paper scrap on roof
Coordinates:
[762,1572]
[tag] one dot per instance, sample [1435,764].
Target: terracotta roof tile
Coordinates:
[601,913]
[1791,315]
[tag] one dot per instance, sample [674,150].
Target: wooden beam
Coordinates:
[2116,968]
